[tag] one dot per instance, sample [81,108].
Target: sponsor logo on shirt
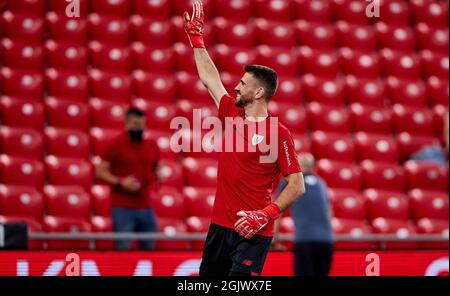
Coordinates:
[286,151]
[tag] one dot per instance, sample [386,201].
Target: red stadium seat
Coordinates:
[21,113]
[317,62]
[23,26]
[185,109]
[302,143]
[387,204]
[59,7]
[61,224]
[274,9]
[67,142]
[426,175]
[36,7]
[394,12]
[290,90]
[168,203]
[70,85]
[110,85]
[162,139]
[315,11]
[381,175]
[233,10]
[172,227]
[291,115]
[64,55]
[339,174]
[199,201]
[191,88]
[352,228]
[328,119]
[433,227]
[102,138]
[154,86]
[120,8]
[200,172]
[428,204]
[283,60]
[21,171]
[69,171]
[184,59]
[33,226]
[432,38]
[369,92]
[371,119]
[409,144]
[350,10]
[332,146]
[348,204]
[314,35]
[155,59]
[23,201]
[159,114]
[407,92]
[400,64]
[101,200]
[102,224]
[433,12]
[198,225]
[287,226]
[414,120]
[67,201]
[439,114]
[234,33]
[399,37]
[61,28]
[360,64]
[22,83]
[21,142]
[67,114]
[110,30]
[107,114]
[109,58]
[327,91]
[155,31]
[233,59]
[19,54]
[170,173]
[273,33]
[160,8]
[401,229]
[376,147]
[359,37]
[434,63]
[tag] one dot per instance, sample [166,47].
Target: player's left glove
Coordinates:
[251,222]
[193,25]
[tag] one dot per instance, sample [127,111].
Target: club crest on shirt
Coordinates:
[257,139]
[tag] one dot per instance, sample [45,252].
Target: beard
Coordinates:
[243,101]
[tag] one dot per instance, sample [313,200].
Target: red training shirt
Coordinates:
[137,159]
[243,181]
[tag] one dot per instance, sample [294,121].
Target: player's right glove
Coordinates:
[253,221]
[193,25]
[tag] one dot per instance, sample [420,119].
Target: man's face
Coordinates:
[135,123]
[246,90]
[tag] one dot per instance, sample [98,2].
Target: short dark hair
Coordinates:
[267,76]
[133,111]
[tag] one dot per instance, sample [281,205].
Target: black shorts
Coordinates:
[228,254]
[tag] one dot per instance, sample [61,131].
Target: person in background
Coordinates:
[313,249]
[435,152]
[130,167]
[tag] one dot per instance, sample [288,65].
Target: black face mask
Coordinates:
[136,135]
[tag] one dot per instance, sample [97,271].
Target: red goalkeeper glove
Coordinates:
[193,25]
[253,221]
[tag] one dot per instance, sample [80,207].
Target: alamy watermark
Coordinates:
[73,8]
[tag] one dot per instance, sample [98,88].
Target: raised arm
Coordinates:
[209,75]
